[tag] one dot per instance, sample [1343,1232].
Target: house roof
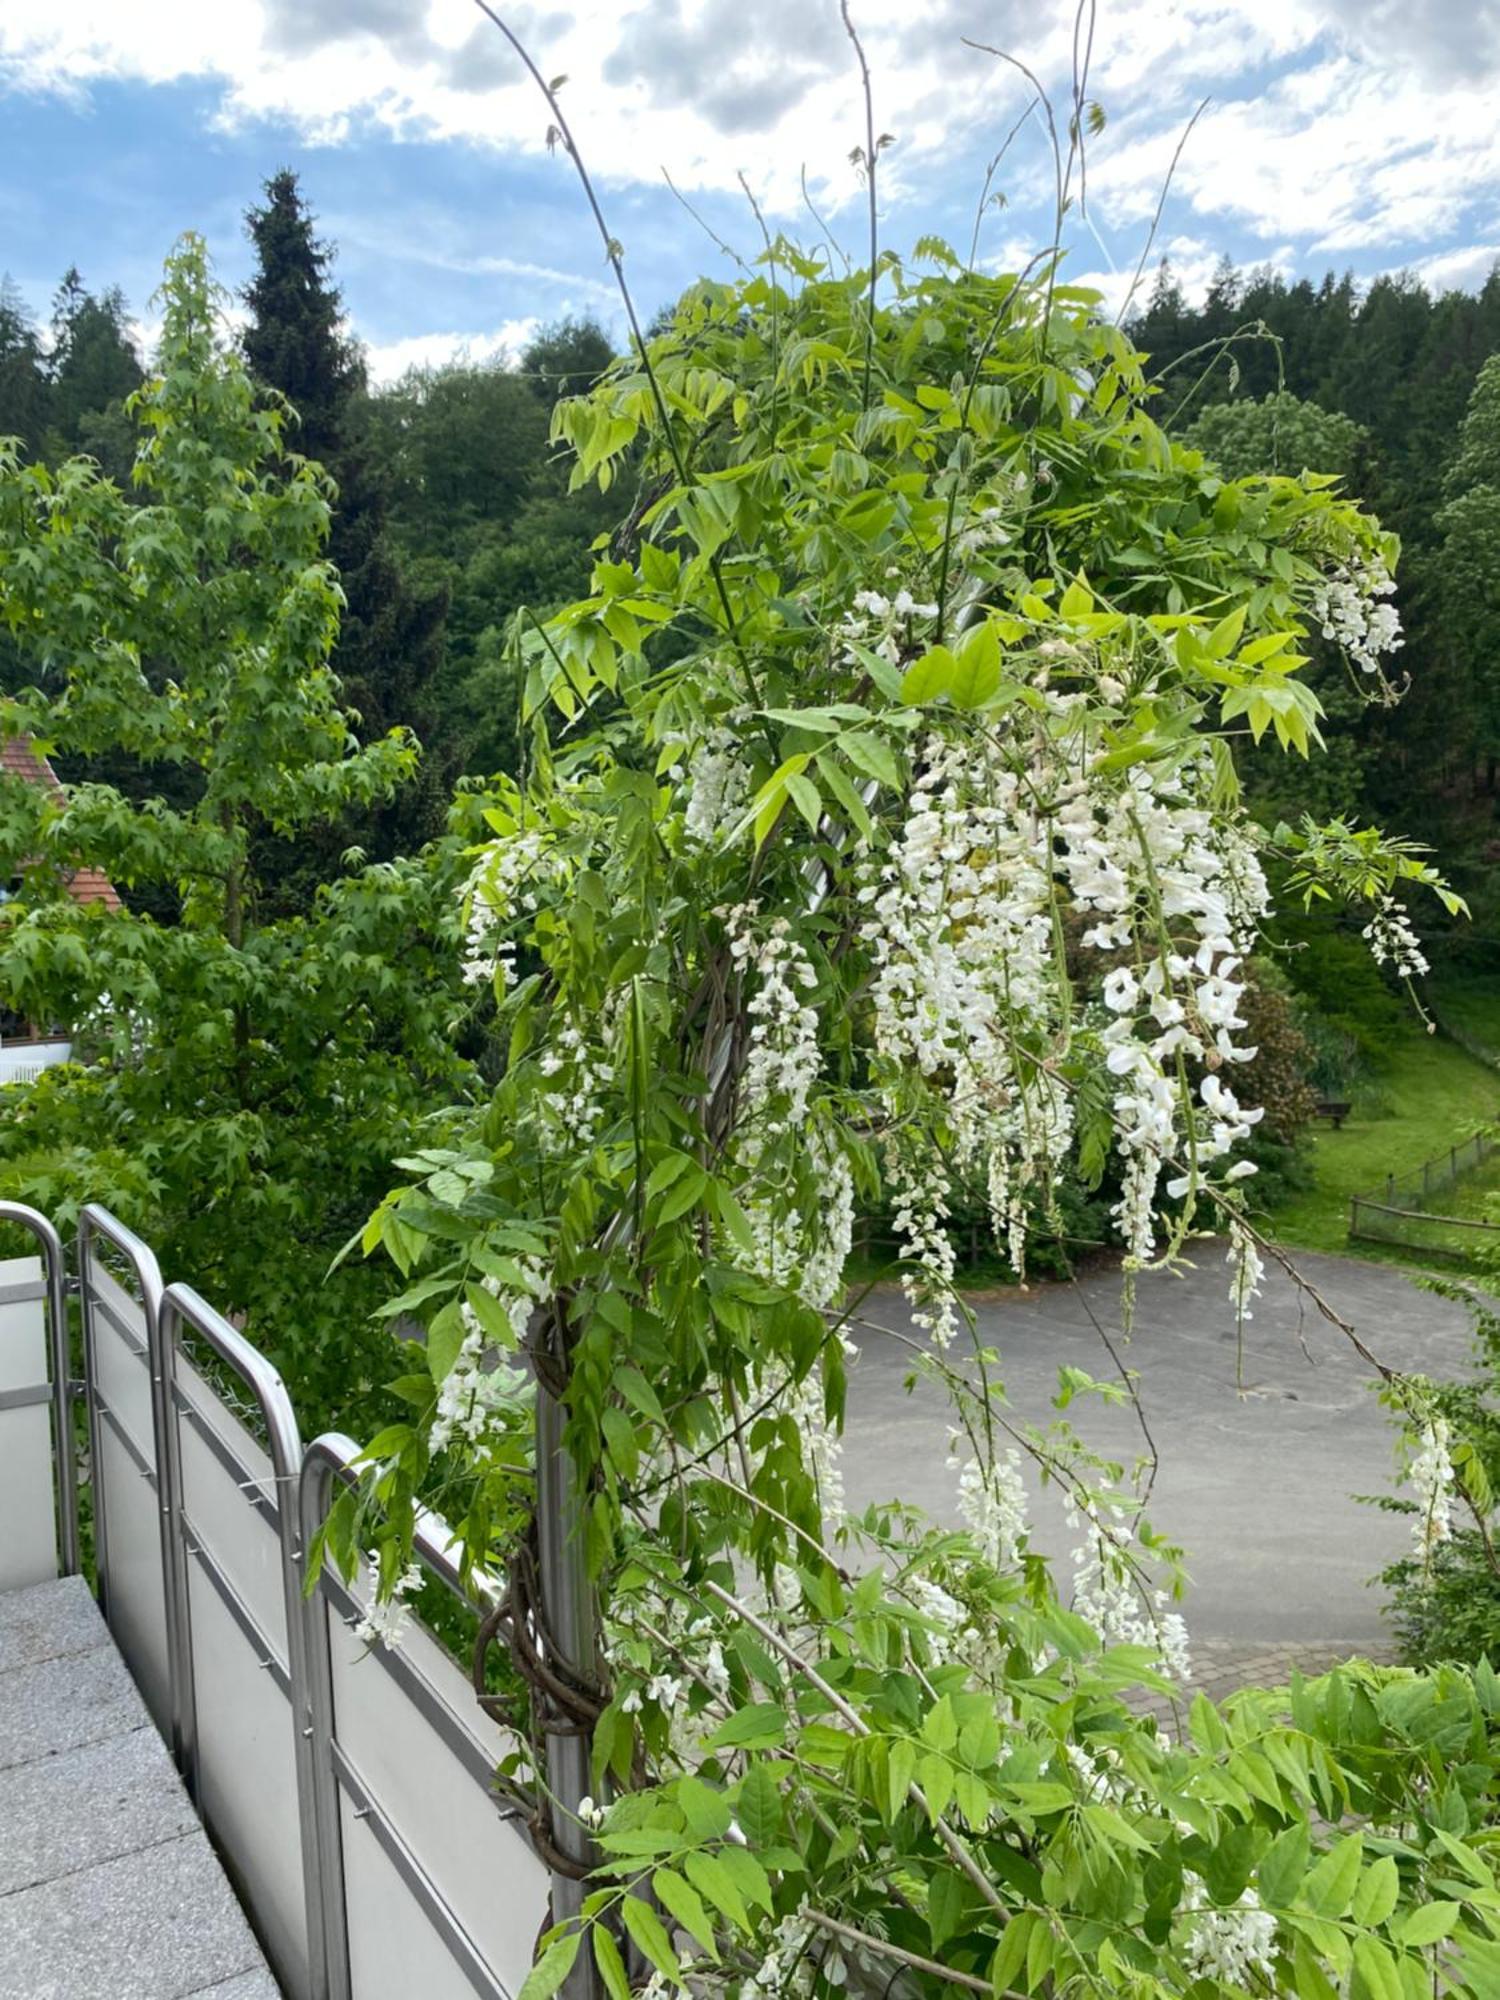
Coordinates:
[20,758]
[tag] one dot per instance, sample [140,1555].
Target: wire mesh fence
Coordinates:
[1402,1212]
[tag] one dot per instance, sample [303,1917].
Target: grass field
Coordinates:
[1431,1096]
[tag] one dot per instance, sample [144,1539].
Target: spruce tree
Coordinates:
[391,635]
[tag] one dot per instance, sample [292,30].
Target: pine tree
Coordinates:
[391,637]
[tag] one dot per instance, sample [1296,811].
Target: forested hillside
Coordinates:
[1381,386]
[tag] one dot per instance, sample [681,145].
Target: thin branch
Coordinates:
[835,248]
[866,1941]
[1187,133]
[956,1849]
[615,257]
[708,230]
[989,175]
[864,71]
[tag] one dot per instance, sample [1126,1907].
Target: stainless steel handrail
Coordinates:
[95,1222]
[182,1307]
[50,1244]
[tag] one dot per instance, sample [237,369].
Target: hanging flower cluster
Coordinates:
[992,1505]
[1001,838]
[386,1620]
[502,887]
[578,1078]
[1108,1593]
[1432,1481]
[1236,1945]
[1348,607]
[718,781]
[1392,940]
[781,1067]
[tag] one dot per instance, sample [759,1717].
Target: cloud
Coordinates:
[389,360]
[1457,270]
[1444,39]
[1348,126]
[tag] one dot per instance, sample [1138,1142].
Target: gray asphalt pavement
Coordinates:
[1258,1486]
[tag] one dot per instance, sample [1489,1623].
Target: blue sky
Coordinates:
[1351,133]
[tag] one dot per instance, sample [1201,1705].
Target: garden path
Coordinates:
[1257,1484]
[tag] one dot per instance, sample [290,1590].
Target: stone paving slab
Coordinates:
[60,1704]
[48,1620]
[148,1926]
[249,1986]
[1221,1667]
[69,1811]
[109,1889]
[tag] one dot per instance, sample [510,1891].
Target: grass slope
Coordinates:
[1431,1096]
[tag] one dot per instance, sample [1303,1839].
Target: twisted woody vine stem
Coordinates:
[816,899]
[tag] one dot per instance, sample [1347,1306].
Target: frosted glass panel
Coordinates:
[133,1580]
[28,1546]
[23,1338]
[122,1379]
[394,1953]
[247,1775]
[240,1535]
[481,1866]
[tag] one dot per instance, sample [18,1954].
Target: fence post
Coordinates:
[568,1632]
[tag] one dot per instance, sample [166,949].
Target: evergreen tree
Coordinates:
[24,397]
[94,367]
[391,637]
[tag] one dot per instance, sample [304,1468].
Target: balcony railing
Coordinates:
[23,1062]
[348,1789]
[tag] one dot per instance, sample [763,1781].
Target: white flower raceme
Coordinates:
[385,1622]
[1236,1945]
[502,887]
[962,928]
[1432,1481]
[472,1396]
[578,1076]
[1248,1269]
[1390,936]
[992,1504]
[806,1253]
[718,782]
[1107,1594]
[1348,609]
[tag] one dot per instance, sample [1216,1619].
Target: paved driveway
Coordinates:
[1257,1486]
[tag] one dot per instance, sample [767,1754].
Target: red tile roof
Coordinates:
[20,758]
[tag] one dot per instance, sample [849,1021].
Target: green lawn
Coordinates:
[1431,1095]
[1471,1007]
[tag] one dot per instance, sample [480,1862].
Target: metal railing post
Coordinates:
[567,1612]
[325,1458]
[61,1363]
[181,1306]
[96,1222]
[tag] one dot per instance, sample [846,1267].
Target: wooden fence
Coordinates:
[1402,1215]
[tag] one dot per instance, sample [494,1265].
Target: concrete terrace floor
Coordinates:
[109,1889]
[1258,1486]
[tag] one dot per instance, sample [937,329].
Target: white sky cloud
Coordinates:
[389,360]
[1347,125]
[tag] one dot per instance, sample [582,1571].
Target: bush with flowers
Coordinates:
[878,828]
